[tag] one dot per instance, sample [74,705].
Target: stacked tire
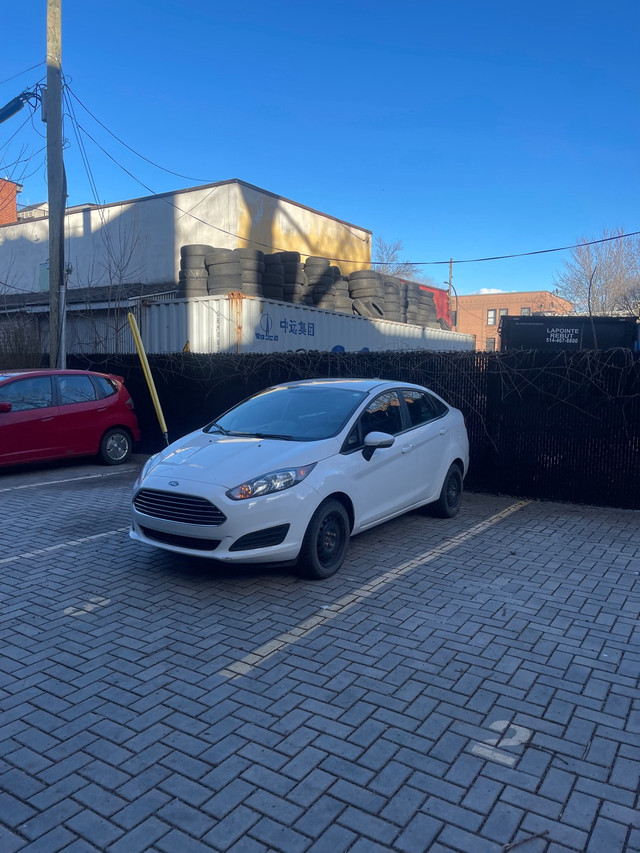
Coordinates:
[342,301]
[395,296]
[421,307]
[367,292]
[252,270]
[295,279]
[320,280]
[192,277]
[273,278]
[224,272]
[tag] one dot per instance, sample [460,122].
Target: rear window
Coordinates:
[107,387]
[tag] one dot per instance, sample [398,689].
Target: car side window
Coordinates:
[383,415]
[422,407]
[76,389]
[106,387]
[23,394]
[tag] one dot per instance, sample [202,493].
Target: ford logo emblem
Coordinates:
[174,483]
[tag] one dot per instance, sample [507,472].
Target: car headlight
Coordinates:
[267,484]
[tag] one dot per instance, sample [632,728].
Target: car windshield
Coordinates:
[295,413]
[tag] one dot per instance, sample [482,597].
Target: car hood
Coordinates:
[226,460]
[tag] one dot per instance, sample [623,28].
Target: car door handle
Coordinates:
[102,409]
[44,420]
[444,431]
[407,448]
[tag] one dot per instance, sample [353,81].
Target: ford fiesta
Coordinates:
[291,473]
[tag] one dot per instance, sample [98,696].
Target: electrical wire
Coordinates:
[339,260]
[6,166]
[26,71]
[528,254]
[137,153]
[78,126]
[94,187]
[13,135]
[167,201]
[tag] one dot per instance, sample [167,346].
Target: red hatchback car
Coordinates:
[55,414]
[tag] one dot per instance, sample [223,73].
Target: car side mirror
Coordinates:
[5,407]
[373,440]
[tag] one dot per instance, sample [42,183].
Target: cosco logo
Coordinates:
[266,323]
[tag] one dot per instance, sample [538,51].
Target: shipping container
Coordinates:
[243,324]
[568,332]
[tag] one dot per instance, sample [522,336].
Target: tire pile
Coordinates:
[421,307]
[192,278]
[282,276]
[328,288]
[367,291]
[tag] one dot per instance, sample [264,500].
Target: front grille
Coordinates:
[261,538]
[172,506]
[192,542]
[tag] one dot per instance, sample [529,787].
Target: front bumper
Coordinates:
[266,529]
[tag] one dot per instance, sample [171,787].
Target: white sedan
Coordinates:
[288,475]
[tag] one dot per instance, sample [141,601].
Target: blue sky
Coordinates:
[465,130]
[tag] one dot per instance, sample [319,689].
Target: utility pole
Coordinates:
[450,288]
[57,195]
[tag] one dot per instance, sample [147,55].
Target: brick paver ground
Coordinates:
[462,685]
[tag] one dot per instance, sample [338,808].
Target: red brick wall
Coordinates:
[8,202]
[473,312]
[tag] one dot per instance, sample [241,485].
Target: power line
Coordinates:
[94,187]
[137,153]
[26,71]
[78,126]
[524,254]
[6,166]
[172,204]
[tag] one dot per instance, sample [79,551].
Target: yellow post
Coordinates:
[147,373]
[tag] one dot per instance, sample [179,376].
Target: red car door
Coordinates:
[82,417]
[28,431]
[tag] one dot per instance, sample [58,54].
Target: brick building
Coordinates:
[479,314]
[8,201]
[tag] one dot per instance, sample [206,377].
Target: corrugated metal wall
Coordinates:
[253,325]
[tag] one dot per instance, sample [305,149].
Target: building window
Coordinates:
[491,317]
[503,312]
[525,312]
[491,345]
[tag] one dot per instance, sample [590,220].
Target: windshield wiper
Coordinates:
[264,435]
[214,425]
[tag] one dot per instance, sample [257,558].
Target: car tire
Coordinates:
[116,446]
[450,498]
[326,541]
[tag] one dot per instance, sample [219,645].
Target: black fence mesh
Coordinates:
[556,426]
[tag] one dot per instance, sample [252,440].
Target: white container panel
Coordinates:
[255,325]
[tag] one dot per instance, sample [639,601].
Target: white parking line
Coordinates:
[67,480]
[251,661]
[60,545]
[88,607]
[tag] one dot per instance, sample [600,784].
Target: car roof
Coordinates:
[47,371]
[366,385]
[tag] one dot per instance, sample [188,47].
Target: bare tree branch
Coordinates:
[386,260]
[604,278]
